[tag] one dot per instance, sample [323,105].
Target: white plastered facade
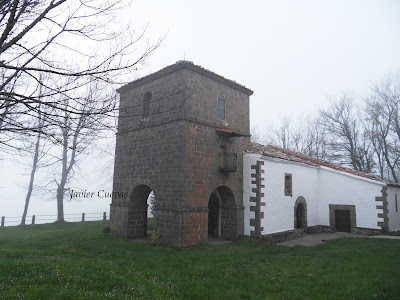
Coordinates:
[320,186]
[394,209]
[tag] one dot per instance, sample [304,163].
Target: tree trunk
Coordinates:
[60,203]
[61,187]
[34,166]
[30,188]
[64,173]
[66,167]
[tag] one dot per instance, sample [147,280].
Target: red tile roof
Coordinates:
[231,132]
[276,152]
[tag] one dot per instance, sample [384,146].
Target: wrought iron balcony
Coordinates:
[228,162]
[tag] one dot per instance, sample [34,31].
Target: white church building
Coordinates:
[184,134]
[287,193]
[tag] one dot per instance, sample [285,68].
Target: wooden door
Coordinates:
[342,219]
[299,216]
[222,154]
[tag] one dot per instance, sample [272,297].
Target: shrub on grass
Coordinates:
[156,238]
[106,230]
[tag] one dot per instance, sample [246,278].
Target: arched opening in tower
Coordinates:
[214,217]
[141,221]
[151,202]
[222,214]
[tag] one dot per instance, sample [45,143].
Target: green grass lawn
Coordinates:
[75,260]
[150,224]
[393,233]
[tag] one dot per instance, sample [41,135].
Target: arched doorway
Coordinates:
[222,214]
[139,211]
[299,216]
[300,213]
[214,216]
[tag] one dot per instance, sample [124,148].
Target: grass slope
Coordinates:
[75,260]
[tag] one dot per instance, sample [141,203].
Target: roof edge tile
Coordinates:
[285,154]
[188,65]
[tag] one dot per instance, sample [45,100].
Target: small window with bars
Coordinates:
[288,184]
[146,104]
[221,107]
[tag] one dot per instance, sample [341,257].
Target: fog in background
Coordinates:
[293,54]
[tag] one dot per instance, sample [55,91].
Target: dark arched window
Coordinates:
[221,107]
[146,104]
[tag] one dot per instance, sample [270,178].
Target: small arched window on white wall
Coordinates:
[146,104]
[221,107]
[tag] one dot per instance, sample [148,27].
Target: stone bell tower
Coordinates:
[181,134]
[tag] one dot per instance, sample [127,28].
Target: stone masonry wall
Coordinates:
[174,152]
[149,152]
[203,144]
[257,182]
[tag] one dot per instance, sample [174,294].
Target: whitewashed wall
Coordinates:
[394,217]
[320,186]
[341,188]
[279,209]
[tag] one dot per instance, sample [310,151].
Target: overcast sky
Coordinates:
[292,54]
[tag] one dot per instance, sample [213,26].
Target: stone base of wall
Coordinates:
[283,236]
[330,229]
[182,227]
[179,227]
[319,229]
[280,237]
[119,220]
[367,231]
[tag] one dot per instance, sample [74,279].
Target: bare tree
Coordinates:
[72,44]
[305,136]
[75,137]
[285,134]
[36,147]
[68,40]
[317,139]
[366,140]
[37,155]
[258,135]
[346,140]
[382,113]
